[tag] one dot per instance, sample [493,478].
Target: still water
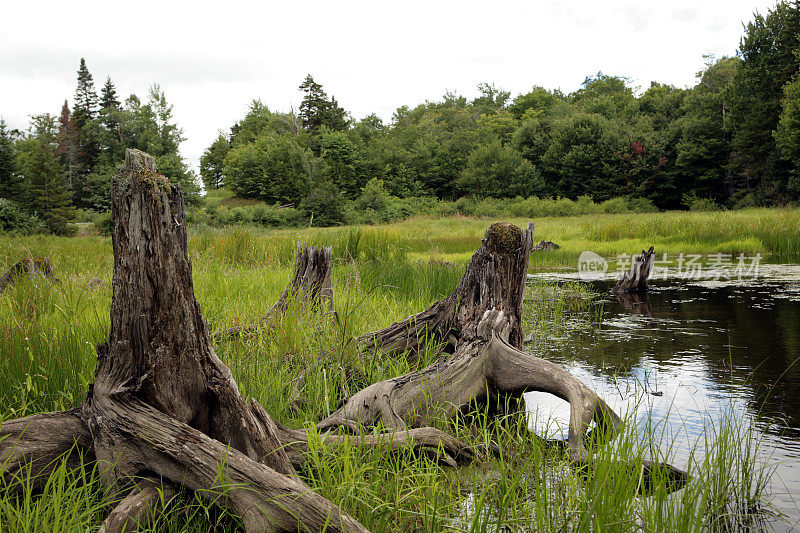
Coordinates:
[688,356]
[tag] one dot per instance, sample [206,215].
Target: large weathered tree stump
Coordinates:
[163,409]
[479,330]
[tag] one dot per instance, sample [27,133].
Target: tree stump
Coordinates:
[164,410]
[635,280]
[311,284]
[479,329]
[29,267]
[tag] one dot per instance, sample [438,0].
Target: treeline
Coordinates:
[732,140]
[62,164]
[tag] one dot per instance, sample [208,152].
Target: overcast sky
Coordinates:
[213,58]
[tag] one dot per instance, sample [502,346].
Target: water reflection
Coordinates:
[687,355]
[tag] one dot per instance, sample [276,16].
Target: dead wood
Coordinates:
[635,279]
[139,507]
[479,328]
[33,446]
[494,280]
[548,246]
[311,284]
[29,267]
[97,283]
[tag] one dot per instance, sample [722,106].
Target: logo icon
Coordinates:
[591,266]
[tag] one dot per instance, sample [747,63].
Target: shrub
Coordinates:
[696,203]
[615,205]
[13,219]
[325,205]
[640,205]
[103,223]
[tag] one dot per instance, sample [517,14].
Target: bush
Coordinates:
[14,219]
[641,205]
[615,205]
[696,203]
[103,223]
[465,206]
[324,205]
[373,196]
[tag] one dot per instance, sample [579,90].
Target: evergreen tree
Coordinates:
[108,95]
[85,97]
[67,148]
[84,113]
[9,179]
[47,194]
[317,110]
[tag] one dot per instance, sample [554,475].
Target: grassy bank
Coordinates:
[381,274]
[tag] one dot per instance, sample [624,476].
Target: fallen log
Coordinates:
[635,279]
[548,246]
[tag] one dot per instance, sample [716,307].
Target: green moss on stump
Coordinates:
[502,237]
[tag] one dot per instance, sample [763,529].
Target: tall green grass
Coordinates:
[300,368]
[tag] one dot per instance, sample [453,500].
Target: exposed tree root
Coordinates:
[31,447]
[139,507]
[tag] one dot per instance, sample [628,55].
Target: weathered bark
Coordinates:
[635,280]
[28,267]
[494,280]
[139,507]
[162,403]
[311,284]
[32,446]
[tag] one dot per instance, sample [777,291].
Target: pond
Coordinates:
[691,354]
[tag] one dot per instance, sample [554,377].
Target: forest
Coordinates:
[731,141]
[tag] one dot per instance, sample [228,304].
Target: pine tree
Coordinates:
[85,97]
[9,179]
[67,148]
[84,114]
[317,110]
[47,192]
[108,96]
